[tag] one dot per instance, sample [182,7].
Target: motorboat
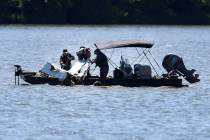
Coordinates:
[124,75]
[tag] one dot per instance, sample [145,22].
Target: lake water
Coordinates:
[29,112]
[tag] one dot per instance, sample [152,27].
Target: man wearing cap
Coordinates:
[65,60]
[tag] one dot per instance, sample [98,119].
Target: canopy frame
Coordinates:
[130,44]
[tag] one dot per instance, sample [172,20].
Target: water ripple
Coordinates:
[88,112]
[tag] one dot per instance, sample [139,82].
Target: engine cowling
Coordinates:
[174,64]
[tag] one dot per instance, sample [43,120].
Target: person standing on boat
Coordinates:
[102,62]
[84,53]
[65,60]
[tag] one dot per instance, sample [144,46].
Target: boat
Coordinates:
[123,75]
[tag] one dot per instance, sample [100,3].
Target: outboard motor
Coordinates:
[174,64]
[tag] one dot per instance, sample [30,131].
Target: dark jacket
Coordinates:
[65,61]
[101,59]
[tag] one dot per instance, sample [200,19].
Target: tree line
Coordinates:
[105,11]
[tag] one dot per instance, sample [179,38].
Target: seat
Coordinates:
[143,71]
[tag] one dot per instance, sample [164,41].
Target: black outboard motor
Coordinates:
[174,64]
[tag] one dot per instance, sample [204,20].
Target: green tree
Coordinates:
[46,11]
[105,11]
[9,11]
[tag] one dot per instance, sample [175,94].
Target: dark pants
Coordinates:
[104,71]
[66,67]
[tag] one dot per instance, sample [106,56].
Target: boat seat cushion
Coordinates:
[143,71]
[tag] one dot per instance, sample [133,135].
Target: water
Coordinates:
[101,113]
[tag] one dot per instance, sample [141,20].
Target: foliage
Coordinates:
[105,11]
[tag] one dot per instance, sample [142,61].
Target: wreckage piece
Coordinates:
[53,75]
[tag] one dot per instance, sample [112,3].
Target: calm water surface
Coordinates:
[102,113]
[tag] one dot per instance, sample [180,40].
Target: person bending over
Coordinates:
[102,62]
[84,53]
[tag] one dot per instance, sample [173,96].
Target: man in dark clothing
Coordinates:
[65,60]
[102,62]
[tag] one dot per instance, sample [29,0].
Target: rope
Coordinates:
[151,64]
[110,61]
[142,56]
[111,54]
[156,62]
[136,58]
[149,61]
[93,70]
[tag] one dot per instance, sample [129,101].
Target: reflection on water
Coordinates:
[88,112]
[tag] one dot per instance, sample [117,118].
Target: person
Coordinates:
[84,53]
[65,60]
[102,62]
